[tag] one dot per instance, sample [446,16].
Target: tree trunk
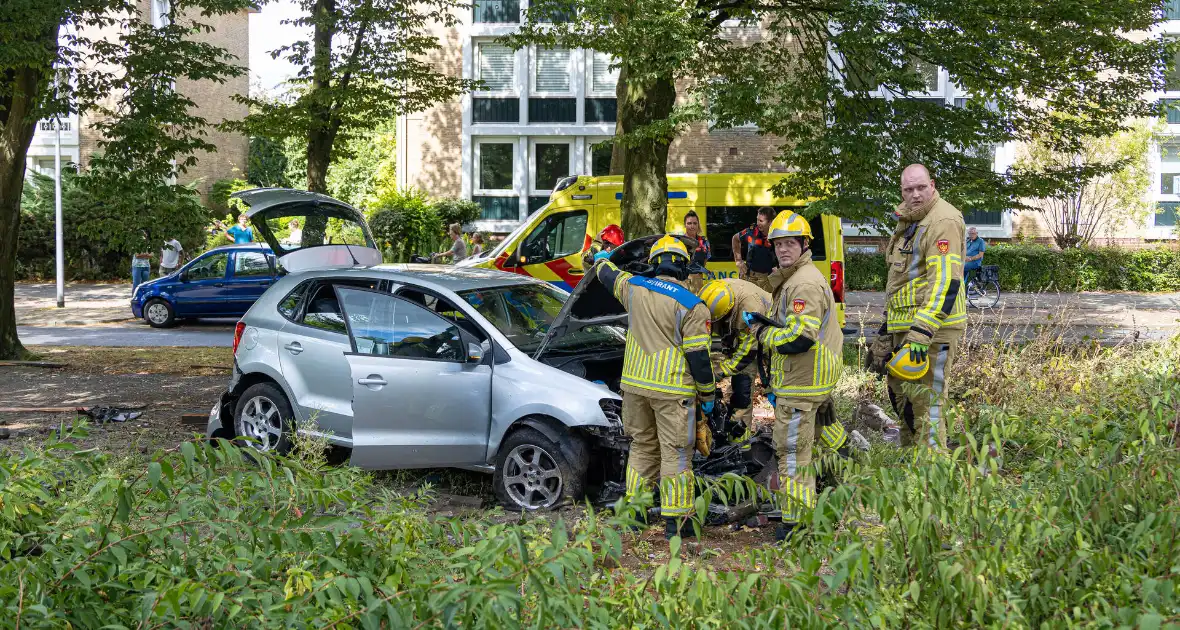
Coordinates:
[618,155]
[17,126]
[645,169]
[319,136]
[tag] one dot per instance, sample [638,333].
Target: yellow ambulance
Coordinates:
[549,244]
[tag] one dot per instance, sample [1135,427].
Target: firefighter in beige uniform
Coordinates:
[666,369]
[805,348]
[727,299]
[925,310]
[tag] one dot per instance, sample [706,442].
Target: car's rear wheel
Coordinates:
[264,416]
[159,314]
[535,473]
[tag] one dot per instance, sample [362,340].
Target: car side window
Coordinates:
[289,305]
[323,309]
[442,307]
[384,325]
[556,237]
[251,264]
[211,267]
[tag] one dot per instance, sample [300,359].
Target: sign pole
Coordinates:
[61,267]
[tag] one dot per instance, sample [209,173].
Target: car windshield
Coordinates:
[300,228]
[523,313]
[515,234]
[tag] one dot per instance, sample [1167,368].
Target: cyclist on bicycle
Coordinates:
[974,260]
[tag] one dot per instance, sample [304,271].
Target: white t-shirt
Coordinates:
[170,255]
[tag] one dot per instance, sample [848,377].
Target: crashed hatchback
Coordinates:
[423,366]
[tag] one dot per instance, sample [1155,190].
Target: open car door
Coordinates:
[308,230]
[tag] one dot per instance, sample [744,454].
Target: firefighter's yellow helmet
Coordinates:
[903,365]
[717,296]
[788,223]
[667,244]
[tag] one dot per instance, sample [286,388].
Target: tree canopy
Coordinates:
[856,89]
[367,61]
[107,59]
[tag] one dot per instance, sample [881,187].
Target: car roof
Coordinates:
[446,277]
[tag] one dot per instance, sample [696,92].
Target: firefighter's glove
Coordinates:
[772,399]
[707,407]
[748,317]
[918,351]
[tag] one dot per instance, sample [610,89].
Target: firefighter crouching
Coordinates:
[608,239]
[805,348]
[666,369]
[925,313]
[728,299]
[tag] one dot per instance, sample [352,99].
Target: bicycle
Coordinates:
[983,289]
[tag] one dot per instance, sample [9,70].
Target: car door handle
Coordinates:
[373,380]
[219,284]
[294,347]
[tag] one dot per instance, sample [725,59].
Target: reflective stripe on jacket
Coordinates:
[803,307]
[924,290]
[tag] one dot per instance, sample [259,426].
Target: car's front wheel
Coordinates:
[159,314]
[535,473]
[264,416]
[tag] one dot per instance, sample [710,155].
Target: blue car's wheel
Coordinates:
[159,314]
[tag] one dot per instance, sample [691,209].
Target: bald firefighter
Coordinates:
[805,347]
[666,370]
[727,300]
[925,313]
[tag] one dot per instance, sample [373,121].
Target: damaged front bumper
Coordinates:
[221,417]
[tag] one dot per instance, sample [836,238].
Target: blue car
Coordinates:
[222,282]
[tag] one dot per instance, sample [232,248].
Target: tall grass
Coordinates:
[1057,506]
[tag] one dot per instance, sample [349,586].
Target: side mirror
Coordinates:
[513,260]
[474,353]
[182,276]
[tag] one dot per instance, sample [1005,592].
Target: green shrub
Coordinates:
[405,224]
[1073,524]
[103,225]
[1030,267]
[452,210]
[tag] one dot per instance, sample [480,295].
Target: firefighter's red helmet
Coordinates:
[612,234]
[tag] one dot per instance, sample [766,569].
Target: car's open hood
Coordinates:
[333,233]
[591,303]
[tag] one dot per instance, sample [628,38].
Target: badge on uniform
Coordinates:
[799,305]
[709,326]
[944,245]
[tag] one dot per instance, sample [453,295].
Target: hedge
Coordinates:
[1042,268]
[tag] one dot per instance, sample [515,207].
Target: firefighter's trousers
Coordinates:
[919,404]
[663,433]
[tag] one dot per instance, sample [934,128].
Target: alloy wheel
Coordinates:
[260,421]
[157,312]
[532,477]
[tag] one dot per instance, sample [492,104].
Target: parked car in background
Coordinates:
[222,282]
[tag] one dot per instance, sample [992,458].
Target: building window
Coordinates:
[1168,184]
[603,79]
[161,11]
[497,11]
[1172,9]
[1165,214]
[551,162]
[600,155]
[929,74]
[498,208]
[553,110]
[495,110]
[602,110]
[551,71]
[495,165]
[496,67]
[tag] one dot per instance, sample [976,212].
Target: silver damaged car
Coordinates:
[414,366]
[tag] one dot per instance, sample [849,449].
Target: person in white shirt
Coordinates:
[170,257]
[294,235]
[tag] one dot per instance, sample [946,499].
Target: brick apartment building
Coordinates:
[79,138]
[543,111]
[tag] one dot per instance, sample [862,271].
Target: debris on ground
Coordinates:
[103,415]
[872,416]
[858,441]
